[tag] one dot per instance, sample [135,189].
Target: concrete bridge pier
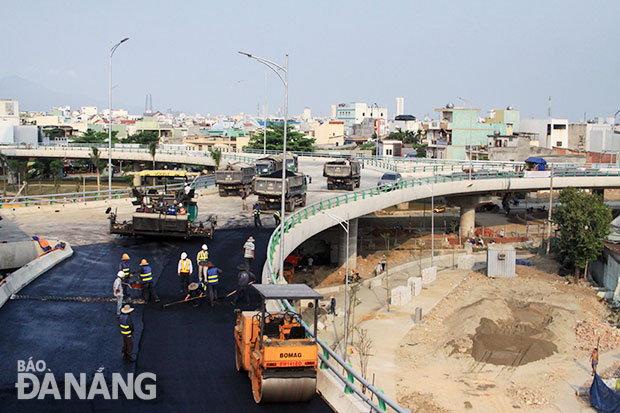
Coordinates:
[342,244]
[468,206]
[136,178]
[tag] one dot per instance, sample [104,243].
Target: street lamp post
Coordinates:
[345,226]
[112,50]
[276,68]
[265,118]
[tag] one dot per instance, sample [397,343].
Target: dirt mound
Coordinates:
[509,344]
[502,332]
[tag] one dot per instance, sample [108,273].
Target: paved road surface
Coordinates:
[189,349]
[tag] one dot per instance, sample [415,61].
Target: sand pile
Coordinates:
[504,332]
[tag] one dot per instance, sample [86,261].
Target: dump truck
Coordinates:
[342,173]
[269,164]
[273,348]
[234,177]
[269,190]
[152,215]
[292,162]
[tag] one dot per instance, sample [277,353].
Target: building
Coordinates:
[329,134]
[390,148]
[596,138]
[405,123]
[355,113]
[550,132]
[307,114]
[400,106]
[9,111]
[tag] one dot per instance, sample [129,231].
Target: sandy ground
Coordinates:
[501,344]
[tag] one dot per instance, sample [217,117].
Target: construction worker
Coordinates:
[277,216]
[213,280]
[184,270]
[383,262]
[117,288]
[182,210]
[201,258]
[256,212]
[332,304]
[126,331]
[124,267]
[248,252]
[244,278]
[196,290]
[146,276]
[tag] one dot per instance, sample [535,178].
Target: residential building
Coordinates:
[9,111]
[405,123]
[596,138]
[390,148]
[329,133]
[355,113]
[550,132]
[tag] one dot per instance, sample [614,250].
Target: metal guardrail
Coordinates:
[201,182]
[360,195]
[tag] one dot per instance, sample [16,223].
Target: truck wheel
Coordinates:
[358,184]
[330,186]
[351,186]
[289,206]
[303,201]
[223,192]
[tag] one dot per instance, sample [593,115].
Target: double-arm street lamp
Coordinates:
[279,71]
[112,50]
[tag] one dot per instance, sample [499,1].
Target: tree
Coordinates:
[295,141]
[364,347]
[369,146]
[96,160]
[56,167]
[143,137]
[91,136]
[153,151]
[4,164]
[216,155]
[583,220]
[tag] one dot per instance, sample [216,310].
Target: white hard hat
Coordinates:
[180,205]
[120,274]
[183,255]
[204,247]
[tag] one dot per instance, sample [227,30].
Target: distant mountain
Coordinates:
[36,97]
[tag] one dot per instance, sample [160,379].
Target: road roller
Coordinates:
[273,348]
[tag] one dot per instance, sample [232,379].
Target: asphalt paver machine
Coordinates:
[281,360]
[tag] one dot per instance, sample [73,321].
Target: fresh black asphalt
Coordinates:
[189,349]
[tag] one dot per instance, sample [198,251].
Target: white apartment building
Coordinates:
[596,136]
[354,113]
[550,133]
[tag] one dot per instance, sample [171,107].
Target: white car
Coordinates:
[390,178]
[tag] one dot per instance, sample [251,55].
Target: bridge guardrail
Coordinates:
[311,210]
[201,182]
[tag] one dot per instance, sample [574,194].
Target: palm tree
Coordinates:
[95,160]
[216,155]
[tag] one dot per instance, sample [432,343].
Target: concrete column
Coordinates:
[136,178]
[468,206]
[342,245]
[468,221]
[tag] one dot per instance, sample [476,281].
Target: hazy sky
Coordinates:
[492,53]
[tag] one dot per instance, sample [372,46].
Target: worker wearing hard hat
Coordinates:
[184,270]
[213,274]
[201,259]
[124,267]
[117,289]
[127,332]
[146,275]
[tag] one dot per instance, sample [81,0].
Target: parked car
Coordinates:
[439,209]
[390,178]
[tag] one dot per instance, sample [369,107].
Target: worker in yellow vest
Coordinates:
[201,259]
[184,270]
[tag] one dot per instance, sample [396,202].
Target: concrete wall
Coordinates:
[17,254]
[29,272]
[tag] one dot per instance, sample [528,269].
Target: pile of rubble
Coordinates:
[527,396]
[591,332]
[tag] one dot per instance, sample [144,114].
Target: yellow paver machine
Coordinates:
[273,348]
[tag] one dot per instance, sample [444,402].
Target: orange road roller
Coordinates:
[273,348]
